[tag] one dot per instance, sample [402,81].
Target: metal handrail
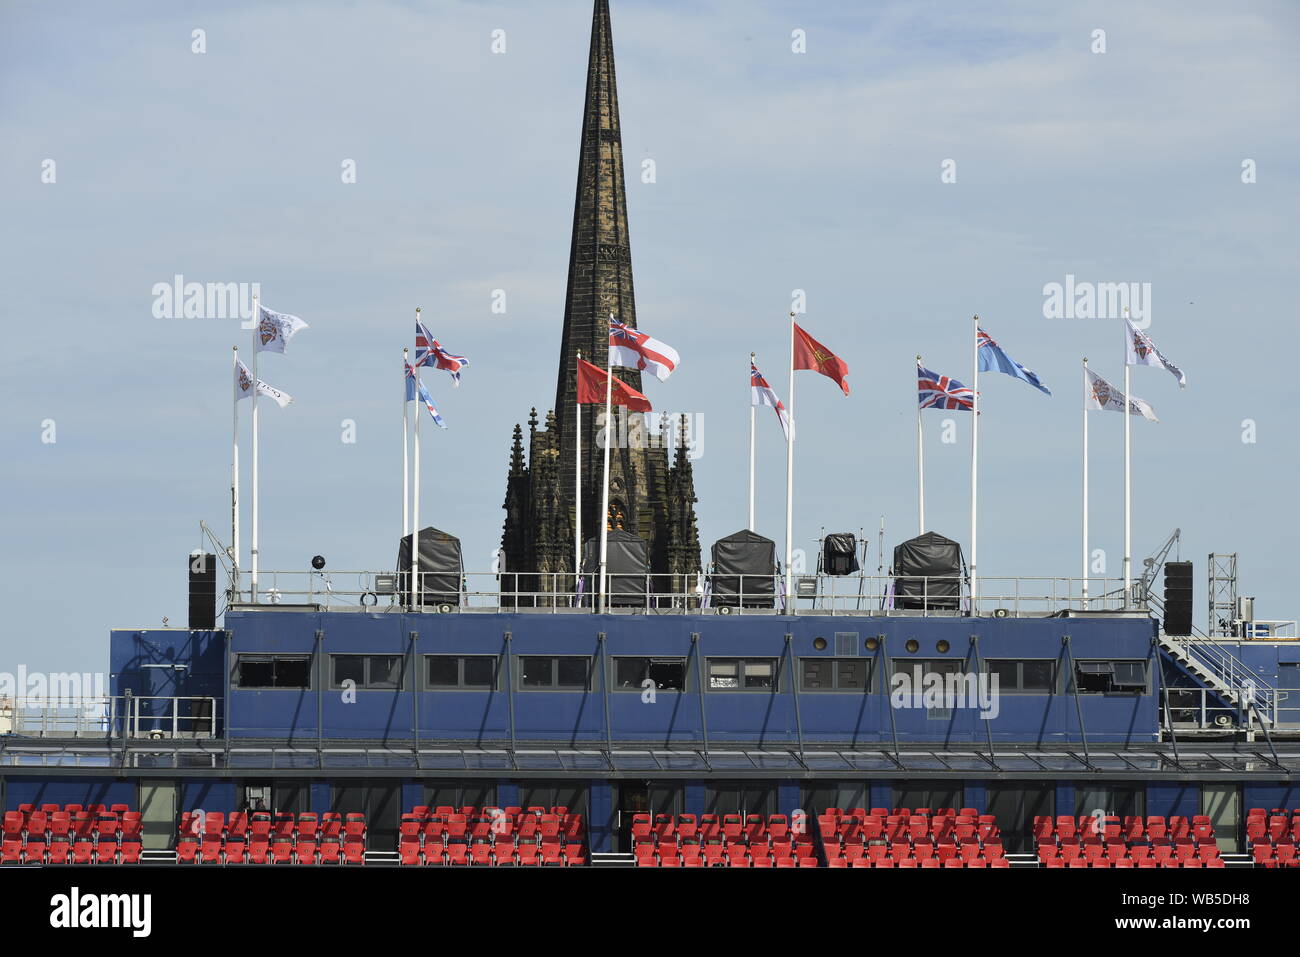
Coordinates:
[131,716]
[556,592]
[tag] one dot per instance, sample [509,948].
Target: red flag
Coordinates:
[811,354]
[591,389]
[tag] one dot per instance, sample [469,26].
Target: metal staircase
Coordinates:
[1223,672]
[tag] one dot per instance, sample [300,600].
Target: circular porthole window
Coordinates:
[913,645]
[942,647]
[872,644]
[819,644]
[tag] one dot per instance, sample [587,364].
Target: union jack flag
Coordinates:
[942,392]
[428,352]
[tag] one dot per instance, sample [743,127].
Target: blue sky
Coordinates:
[775,171]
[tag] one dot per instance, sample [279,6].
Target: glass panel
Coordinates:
[1039,676]
[255,674]
[385,671]
[629,672]
[724,673]
[1007,673]
[851,674]
[758,674]
[348,668]
[817,674]
[293,673]
[442,671]
[480,671]
[572,672]
[535,672]
[668,674]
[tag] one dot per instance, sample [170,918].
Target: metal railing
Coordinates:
[1197,709]
[113,716]
[563,592]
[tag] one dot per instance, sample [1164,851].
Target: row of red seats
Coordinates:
[470,810]
[1160,850]
[883,812]
[928,862]
[720,840]
[1272,836]
[671,854]
[491,837]
[726,828]
[71,834]
[1276,827]
[897,827]
[492,855]
[263,849]
[967,850]
[1129,862]
[1130,828]
[331,824]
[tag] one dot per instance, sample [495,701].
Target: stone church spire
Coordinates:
[599,284]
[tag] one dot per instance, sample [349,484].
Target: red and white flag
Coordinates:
[760,393]
[633,349]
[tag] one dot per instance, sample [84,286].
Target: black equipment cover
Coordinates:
[744,557]
[840,554]
[627,563]
[441,570]
[928,573]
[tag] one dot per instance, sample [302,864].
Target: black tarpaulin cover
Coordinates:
[743,558]
[627,563]
[840,554]
[441,569]
[928,572]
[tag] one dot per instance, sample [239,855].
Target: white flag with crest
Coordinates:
[275,329]
[244,387]
[1139,350]
[1100,394]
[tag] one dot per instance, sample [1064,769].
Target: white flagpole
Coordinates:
[751,446]
[974,462]
[234,478]
[789,487]
[577,486]
[920,466]
[406,465]
[1128,495]
[1085,483]
[416,596]
[257,321]
[604,491]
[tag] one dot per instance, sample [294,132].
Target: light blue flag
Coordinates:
[993,359]
[433,409]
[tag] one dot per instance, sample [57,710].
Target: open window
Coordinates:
[1110,677]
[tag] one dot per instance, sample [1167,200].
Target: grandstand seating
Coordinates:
[1272,836]
[910,838]
[260,837]
[71,834]
[720,840]
[492,837]
[1126,842]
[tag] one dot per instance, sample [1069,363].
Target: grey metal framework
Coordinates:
[1152,762]
[1222,595]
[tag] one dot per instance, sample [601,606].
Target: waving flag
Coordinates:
[633,349]
[410,383]
[244,387]
[428,352]
[760,393]
[428,404]
[1139,350]
[811,354]
[275,329]
[993,359]
[591,389]
[942,392]
[1100,394]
